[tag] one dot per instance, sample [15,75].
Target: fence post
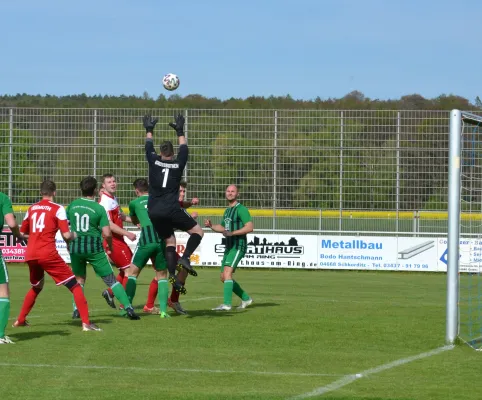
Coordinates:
[95,144]
[398,175]
[185,135]
[10,156]
[275,163]
[340,222]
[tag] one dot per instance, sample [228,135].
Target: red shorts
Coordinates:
[56,268]
[121,255]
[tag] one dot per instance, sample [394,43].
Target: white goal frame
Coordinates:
[455,140]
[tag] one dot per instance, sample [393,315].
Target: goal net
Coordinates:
[467,185]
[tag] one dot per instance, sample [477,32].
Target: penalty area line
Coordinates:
[347,379]
[158,369]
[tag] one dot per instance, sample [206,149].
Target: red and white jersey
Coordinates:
[41,223]
[113,210]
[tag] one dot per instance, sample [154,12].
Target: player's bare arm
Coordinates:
[119,231]
[215,227]
[107,235]
[12,224]
[69,236]
[248,228]
[124,217]
[193,202]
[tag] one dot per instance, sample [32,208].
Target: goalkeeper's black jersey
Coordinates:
[165,177]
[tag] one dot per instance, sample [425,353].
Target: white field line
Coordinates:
[157,369]
[105,308]
[347,379]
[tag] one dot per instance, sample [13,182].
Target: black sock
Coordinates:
[171,258]
[191,245]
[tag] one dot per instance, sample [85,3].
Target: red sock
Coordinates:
[152,294]
[120,277]
[28,303]
[174,296]
[124,282]
[81,303]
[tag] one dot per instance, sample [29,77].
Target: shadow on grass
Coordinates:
[29,335]
[207,313]
[78,322]
[259,305]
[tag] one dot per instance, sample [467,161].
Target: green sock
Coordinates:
[120,294]
[4,314]
[162,293]
[131,287]
[228,292]
[73,300]
[238,291]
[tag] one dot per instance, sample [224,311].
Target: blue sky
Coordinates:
[228,48]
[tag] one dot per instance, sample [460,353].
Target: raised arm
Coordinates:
[149,124]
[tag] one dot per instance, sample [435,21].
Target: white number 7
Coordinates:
[165,171]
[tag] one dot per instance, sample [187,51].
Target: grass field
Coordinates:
[306,330]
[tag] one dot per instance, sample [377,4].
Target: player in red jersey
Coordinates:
[41,223]
[121,255]
[182,275]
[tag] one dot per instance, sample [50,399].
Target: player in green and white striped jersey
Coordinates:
[89,220]
[6,212]
[234,226]
[148,247]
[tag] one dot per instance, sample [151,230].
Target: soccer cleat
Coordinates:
[165,315]
[244,304]
[131,314]
[18,324]
[108,298]
[177,284]
[6,340]
[76,314]
[186,264]
[176,306]
[151,310]
[222,307]
[90,327]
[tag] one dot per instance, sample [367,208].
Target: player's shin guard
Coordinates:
[238,291]
[191,245]
[28,304]
[152,294]
[80,302]
[171,258]
[131,287]
[4,314]
[228,292]
[163,292]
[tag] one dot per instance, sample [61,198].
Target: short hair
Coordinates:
[47,188]
[107,175]
[141,185]
[88,186]
[167,149]
[183,184]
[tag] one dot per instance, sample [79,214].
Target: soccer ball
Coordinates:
[170,81]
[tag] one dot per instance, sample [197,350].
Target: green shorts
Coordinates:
[99,262]
[232,257]
[3,271]
[152,251]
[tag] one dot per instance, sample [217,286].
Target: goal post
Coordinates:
[469,157]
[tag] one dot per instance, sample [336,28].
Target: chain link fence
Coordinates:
[344,171]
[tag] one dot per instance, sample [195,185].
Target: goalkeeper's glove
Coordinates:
[149,123]
[178,125]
